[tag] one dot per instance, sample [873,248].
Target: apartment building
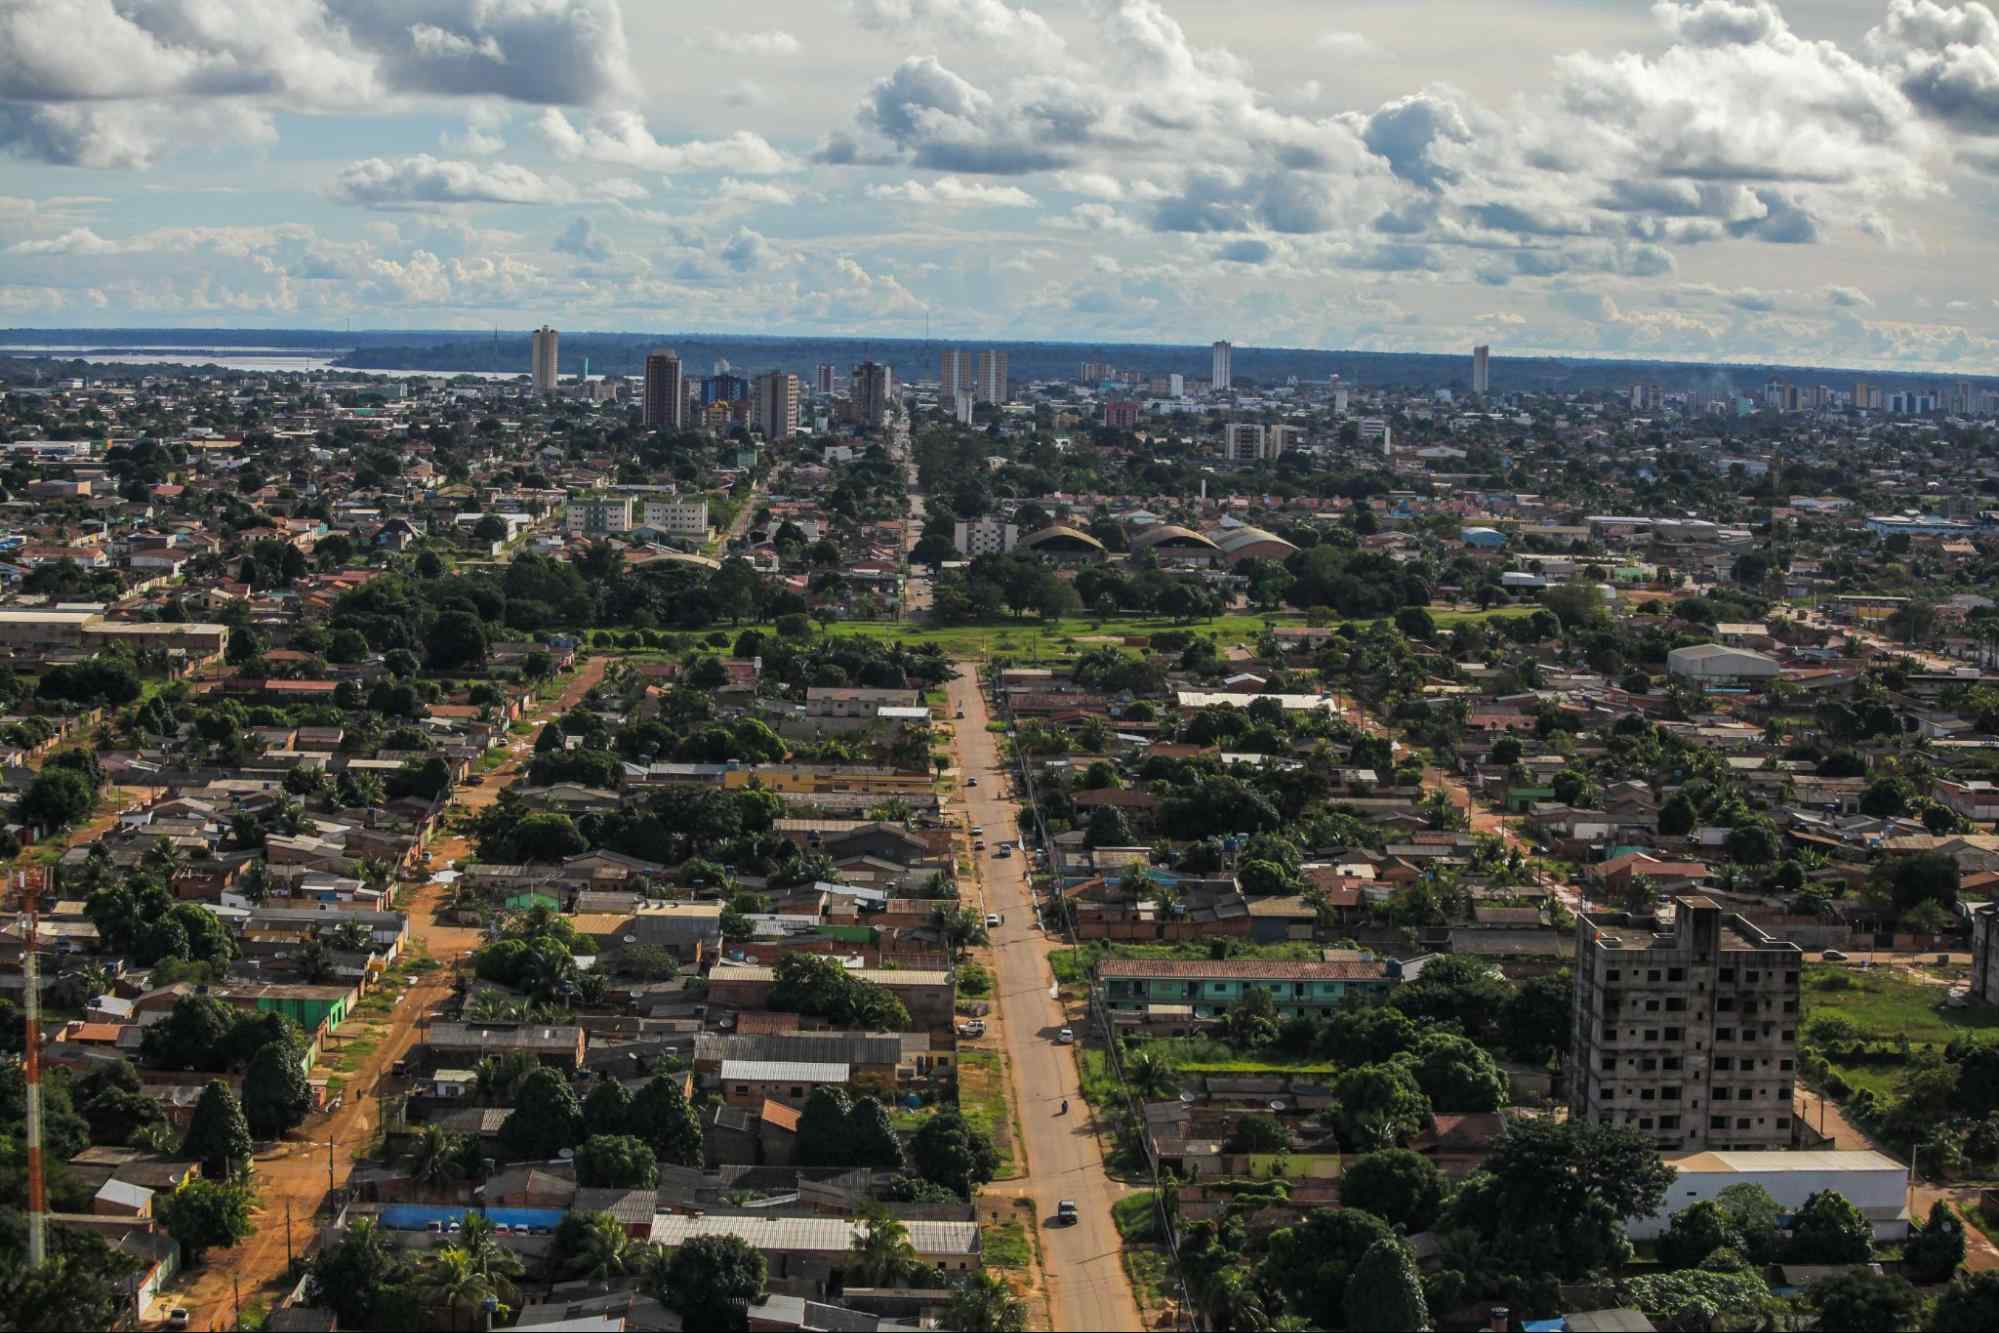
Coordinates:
[1209,988]
[679,516]
[1689,1036]
[596,514]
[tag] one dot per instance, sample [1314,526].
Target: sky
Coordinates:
[1693,179]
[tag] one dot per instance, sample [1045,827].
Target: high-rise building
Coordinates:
[1222,378]
[666,392]
[954,372]
[873,390]
[775,403]
[1690,1037]
[1176,386]
[1647,397]
[542,359]
[1121,414]
[1243,442]
[1481,369]
[989,377]
[1096,372]
[962,405]
[1375,431]
[985,536]
[724,387]
[822,382]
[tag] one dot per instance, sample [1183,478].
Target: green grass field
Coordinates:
[1136,1217]
[1204,1055]
[1006,1244]
[983,1101]
[1883,1004]
[1031,638]
[1072,966]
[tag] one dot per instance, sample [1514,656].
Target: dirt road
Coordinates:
[296,1174]
[1083,1263]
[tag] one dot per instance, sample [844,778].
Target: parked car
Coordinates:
[1833,956]
[1066,1214]
[1003,853]
[1066,1037]
[971,782]
[993,920]
[178,1317]
[979,845]
[975,1028]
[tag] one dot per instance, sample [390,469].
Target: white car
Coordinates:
[1066,1037]
[178,1317]
[993,920]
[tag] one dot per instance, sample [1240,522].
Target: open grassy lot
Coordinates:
[1073,965]
[1844,1004]
[1006,1244]
[1136,1217]
[1204,1055]
[982,1086]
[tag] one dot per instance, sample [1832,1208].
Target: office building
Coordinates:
[665,391]
[542,359]
[1647,397]
[724,387]
[873,390]
[1221,378]
[822,381]
[775,405]
[985,536]
[1375,433]
[1481,367]
[962,403]
[1176,386]
[989,377]
[954,372]
[1688,1037]
[1339,402]
[1121,414]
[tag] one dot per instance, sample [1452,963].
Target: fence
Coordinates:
[1160,1197]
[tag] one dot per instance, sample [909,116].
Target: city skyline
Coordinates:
[1718,181]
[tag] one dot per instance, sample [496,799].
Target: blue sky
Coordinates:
[1715,180]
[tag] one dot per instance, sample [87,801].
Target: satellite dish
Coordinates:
[631,939]
[1277,1104]
[566,1154]
[1188,1098]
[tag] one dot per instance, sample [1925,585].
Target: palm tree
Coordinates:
[985,1304]
[882,1252]
[490,1259]
[159,1137]
[1151,1077]
[434,1158]
[165,857]
[351,937]
[605,1251]
[450,1280]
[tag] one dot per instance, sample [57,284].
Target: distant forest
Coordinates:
[915,359]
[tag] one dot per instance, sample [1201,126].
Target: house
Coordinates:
[1720,663]
[805,1253]
[930,996]
[559,1046]
[791,1082]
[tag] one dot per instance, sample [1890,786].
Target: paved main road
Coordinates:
[1083,1266]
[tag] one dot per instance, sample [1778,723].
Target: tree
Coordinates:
[986,1304]
[1259,1134]
[1457,1074]
[1377,1106]
[1534,1023]
[883,1256]
[218,1136]
[822,1128]
[456,641]
[1860,1302]
[1935,1249]
[949,1151]
[1970,1304]
[1752,843]
[661,1116]
[546,837]
[490,528]
[1696,1232]
[1401,1187]
[1385,1292]
[1251,1021]
[435,1157]
[362,1278]
[204,1214]
[710,1280]
[616,1161]
[545,1120]
[608,1108]
[1922,877]
[1108,827]
[1456,988]
[449,1279]
[82,1284]
[1829,1230]
[874,1140]
[596,1245]
[1151,1076]
[276,1095]
[193,1035]
[1310,1262]
[488,1258]
[57,798]
[1753,1215]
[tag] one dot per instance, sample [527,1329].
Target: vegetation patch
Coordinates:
[982,1098]
[1006,1244]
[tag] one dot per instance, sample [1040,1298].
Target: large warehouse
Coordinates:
[1875,1184]
[1714,661]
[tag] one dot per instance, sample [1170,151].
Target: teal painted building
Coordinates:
[1212,987]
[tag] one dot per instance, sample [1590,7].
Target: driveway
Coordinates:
[1083,1264]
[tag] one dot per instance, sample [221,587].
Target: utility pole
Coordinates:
[38,1204]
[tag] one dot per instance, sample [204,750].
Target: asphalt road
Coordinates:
[1082,1264]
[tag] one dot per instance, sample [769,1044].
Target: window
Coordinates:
[1646,1123]
[1727,974]
[742,1089]
[1784,1066]
[1749,978]
[1791,979]
[1722,1062]
[797,1091]
[1669,1122]
[1676,974]
[1672,1034]
[1742,1123]
[1790,1034]
[1610,974]
[1723,1094]
[1647,1095]
[1723,1003]
[1670,1062]
[1724,1034]
[1790,1006]
[1651,1034]
[1717,1122]
[1608,1062]
[1651,1006]
[1670,1094]
[1652,975]
[1783,1122]
[1607,1094]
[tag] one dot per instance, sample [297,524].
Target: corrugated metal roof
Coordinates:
[780,1071]
[829,1235]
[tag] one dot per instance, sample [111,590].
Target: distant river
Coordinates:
[253,360]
